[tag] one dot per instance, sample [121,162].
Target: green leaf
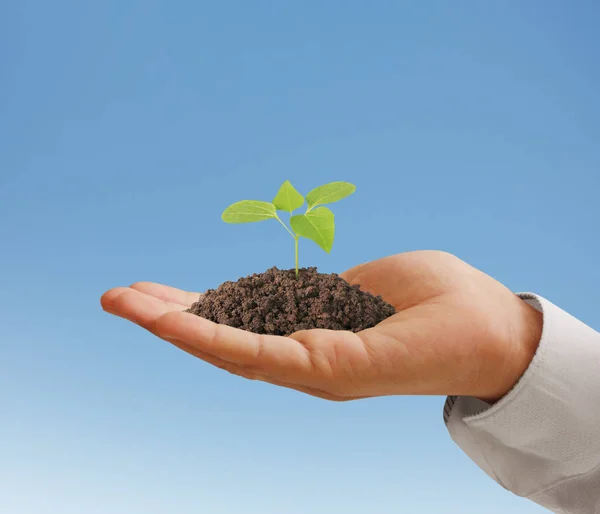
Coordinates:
[288,198]
[329,193]
[248,211]
[317,225]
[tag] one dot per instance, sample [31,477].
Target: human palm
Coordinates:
[456,331]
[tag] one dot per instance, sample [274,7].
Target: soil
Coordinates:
[276,302]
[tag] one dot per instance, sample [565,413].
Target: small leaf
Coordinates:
[317,225]
[248,211]
[329,193]
[288,198]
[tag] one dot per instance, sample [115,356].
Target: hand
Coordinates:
[456,331]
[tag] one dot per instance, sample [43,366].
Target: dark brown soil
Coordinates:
[276,302]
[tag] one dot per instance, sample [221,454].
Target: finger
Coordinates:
[167,293]
[279,357]
[249,375]
[108,298]
[138,307]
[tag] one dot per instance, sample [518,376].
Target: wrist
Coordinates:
[519,351]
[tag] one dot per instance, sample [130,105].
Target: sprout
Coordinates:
[317,222]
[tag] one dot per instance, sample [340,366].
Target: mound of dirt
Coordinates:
[277,302]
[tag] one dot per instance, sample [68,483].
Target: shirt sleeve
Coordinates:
[542,440]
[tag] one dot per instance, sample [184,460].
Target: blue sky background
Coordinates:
[127,126]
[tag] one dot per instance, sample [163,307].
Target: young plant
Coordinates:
[317,223]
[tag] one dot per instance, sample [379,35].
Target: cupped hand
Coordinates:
[456,331]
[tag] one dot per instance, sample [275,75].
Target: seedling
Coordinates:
[317,223]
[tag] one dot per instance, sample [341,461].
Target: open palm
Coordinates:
[456,331]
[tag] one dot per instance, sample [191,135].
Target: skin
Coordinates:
[457,331]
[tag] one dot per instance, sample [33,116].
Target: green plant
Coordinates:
[317,223]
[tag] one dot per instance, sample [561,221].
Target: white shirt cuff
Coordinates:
[545,433]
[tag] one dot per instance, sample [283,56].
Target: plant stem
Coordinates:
[295,236]
[296,240]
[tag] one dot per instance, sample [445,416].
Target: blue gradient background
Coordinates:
[472,127]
